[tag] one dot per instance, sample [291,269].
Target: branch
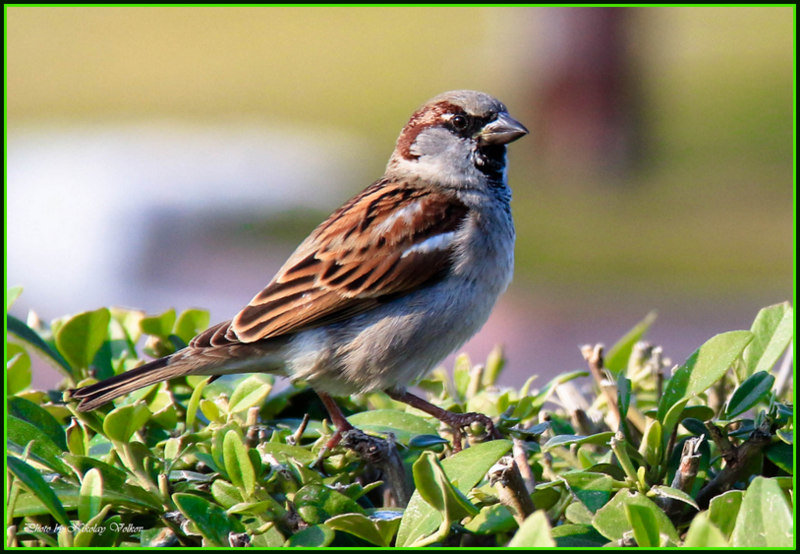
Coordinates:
[684,476]
[594,357]
[383,454]
[511,488]
[736,459]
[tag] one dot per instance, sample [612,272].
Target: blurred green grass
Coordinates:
[708,211]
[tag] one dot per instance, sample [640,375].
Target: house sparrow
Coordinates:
[386,287]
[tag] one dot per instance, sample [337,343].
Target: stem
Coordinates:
[684,476]
[511,488]
[521,460]
[594,357]
[736,459]
[384,455]
[618,444]
[785,372]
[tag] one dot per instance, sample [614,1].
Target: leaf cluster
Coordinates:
[699,455]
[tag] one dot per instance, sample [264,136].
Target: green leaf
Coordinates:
[12,293]
[534,532]
[564,440]
[77,439]
[130,321]
[623,394]
[495,362]
[315,536]
[676,494]
[612,521]
[94,533]
[782,455]
[359,525]
[268,509]
[121,423]
[194,402]
[492,520]
[592,489]
[226,494]
[39,418]
[466,468]
[91,495]
[81,336]
[405,426]
[748,394]
[18,369]
[190,323]
[285,452]
[577,536]
[651,445]
[32,338]
[704,534]
[426,441]
[674,415]
[436,489]
[577,512]
[33,481]
[772,330]
[765,518]
[316,503]
[159,325]
[211,410]
[703,413]
[545,495]
[724,509]
[250,392]
[616,361]
[42,449]
[211,521]
[644,522]
[237,463]
[129,497]
[704,367]
[461,371]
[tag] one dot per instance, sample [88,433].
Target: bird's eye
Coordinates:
[459,122]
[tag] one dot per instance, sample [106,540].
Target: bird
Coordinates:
[386,287]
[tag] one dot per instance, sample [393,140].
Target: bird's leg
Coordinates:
[376,451]
[337,418]
[454,420]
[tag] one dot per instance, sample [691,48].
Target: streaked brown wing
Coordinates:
[384,242]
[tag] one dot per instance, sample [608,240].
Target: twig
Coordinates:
[520,453]
[594,357]
[512,490]
[618,446]
[576,405]
[785,371]
[684,476]
[690,462]
[296,437]
[736,459]
[383,454]
[656,362]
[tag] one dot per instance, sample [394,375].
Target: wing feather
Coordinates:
[362,255]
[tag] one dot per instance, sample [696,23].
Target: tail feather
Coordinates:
[94,396]
[261,357]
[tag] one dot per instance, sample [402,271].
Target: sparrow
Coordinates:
[397,278]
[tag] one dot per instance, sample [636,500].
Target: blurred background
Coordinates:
[165,157]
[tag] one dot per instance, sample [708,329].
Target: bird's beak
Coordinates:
[502,130]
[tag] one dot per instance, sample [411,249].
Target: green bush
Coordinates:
[699,456]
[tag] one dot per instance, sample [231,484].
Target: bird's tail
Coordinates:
[94,396]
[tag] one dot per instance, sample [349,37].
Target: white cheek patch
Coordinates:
[435,243]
